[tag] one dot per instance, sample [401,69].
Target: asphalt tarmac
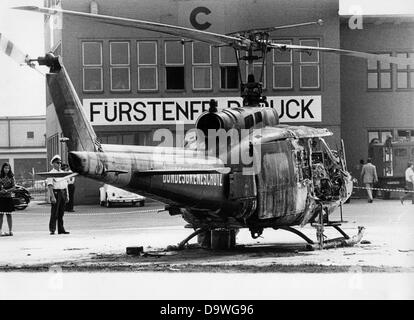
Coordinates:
[99,237]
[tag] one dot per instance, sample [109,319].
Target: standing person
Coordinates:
[409,183]
[369,177]
[7,184]
[71,189]
[359,166]
[357,172]
[59,195]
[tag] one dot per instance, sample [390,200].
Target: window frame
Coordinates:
[381,132]
[378,71]
[113,66]
[308,64]
[92,67]
[167,64]
[201,65]
[258,64]
[227,64]
[147,66]
[284,63]
[410,137]
[408,71]
[120,135]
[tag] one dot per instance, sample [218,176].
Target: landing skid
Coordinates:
[226,239]
[182,244]
[344,241]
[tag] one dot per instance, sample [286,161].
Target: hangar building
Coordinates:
[23,145]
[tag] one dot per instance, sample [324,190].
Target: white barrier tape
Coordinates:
[85,214]
[383,189]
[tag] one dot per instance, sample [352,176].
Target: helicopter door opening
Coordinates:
[301,168]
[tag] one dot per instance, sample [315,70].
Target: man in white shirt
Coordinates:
[409,183]
[59,195]
[369,177]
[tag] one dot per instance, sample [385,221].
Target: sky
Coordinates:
[22,90]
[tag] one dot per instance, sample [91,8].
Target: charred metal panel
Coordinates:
[242,189]
[242,186]
[276,181]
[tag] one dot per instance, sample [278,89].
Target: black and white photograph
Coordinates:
[231,151]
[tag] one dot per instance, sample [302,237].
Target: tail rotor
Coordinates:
[14,52]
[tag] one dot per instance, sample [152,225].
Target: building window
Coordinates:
[30,135]
[117,138]
[379,136]
[405,135]
[92,66]
[309,66]
[282,68]
[201,53]
[405,74]
[120,66]
[229,74]
[174,65]
[52,3]
[379,74]
[257,71]
[147,65]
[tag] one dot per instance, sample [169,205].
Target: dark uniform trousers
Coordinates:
[57,211]
[71,189]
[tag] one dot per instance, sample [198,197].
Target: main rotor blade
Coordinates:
[182,32]
[9,49]
[370,56]
[270,29]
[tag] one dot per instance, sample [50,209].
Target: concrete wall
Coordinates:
[24,154]
[13,132]
[20,128]
[4,133]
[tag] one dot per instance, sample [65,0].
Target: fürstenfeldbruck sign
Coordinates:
[171,110]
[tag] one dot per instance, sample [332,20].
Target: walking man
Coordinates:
[409,183]
[369,177]
[59,196]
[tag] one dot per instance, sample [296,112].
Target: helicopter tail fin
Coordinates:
[76,128]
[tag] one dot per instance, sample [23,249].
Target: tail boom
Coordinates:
[72,119]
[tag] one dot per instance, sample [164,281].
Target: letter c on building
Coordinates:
[193,20]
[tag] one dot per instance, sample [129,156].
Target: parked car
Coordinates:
[21,197]
[110,195]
